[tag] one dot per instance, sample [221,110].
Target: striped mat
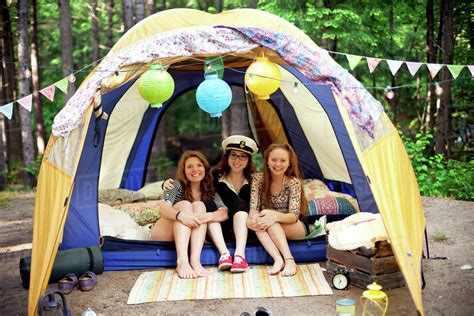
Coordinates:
[164,285]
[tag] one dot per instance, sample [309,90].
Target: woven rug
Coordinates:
[164,285]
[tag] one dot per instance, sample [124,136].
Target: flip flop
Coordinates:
[87,281]
[68,283]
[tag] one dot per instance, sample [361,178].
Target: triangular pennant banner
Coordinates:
[353,60]
[49,92]
[455,70]
[373,63]
[394,65]
[413,67]
[26,102]
[471,69]
[62,84]
[434,69]
[7,110]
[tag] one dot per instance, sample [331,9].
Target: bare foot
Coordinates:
[290,267]
[277,266]
[199,269]
[185,271]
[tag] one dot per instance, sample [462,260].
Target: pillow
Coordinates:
[142,213]
[153,191]
[115,223]
[330,206]
[314,184]
[119,196]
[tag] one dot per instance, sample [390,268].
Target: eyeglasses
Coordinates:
[242,157]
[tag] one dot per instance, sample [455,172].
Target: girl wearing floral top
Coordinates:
[278,206]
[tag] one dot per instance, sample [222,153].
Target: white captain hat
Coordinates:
[240,143]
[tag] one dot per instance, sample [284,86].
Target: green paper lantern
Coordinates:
[156,86]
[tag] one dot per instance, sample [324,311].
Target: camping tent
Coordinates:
[339,131]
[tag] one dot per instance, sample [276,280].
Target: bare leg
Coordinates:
[197,241]
[272,250]
[241,232]
[215,231]
[182,235]
[279,234]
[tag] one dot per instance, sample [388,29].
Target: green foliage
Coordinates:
[162,164]
[258,161]
[440,235]
[435,175]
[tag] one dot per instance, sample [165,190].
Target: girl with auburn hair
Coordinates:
[278,206]
[189,207]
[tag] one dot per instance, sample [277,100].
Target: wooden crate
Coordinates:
[367,265]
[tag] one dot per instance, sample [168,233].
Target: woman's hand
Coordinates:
[189,220]
[266,219]
[252,222]
[204,217]
[168,184]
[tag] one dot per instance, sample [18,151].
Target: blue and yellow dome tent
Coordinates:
[340,136]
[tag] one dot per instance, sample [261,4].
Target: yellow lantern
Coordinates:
[156,86]
[263,78]
[374,301]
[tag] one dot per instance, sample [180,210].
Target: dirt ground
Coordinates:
[449,289]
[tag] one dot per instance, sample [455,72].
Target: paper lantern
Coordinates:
[263,78]
[156,86]
[213,95]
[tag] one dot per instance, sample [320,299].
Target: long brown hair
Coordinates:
[206,186]
[222,168]
[293,171]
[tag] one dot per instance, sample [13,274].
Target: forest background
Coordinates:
[44,41]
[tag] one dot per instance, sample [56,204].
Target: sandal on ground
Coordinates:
[225,262]
[68,283]
[239,265]
[87,281]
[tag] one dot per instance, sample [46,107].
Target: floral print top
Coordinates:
[287,201]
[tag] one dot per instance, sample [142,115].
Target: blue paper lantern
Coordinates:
[213,95]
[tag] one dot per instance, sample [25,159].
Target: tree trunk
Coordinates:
[139,10]
[95,32]
[444,135]
[24,89]
[252,4]
[110,23]
[219,4]
[3,149]
[431,58]
[127,14]
[149,7]
[162,5]
[238,113]
[66,44]
[12,127]
[35,77]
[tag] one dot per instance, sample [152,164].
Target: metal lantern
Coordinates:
[263,78]
[213,95]
[156,86]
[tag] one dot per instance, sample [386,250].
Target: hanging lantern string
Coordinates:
[203,62]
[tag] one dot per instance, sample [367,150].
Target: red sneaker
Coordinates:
[239,265]
[225,262]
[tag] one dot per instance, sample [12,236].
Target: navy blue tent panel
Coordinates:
[306,159]
[134,173]
[82,224]
[359,181]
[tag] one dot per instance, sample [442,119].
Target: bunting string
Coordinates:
[353,60]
